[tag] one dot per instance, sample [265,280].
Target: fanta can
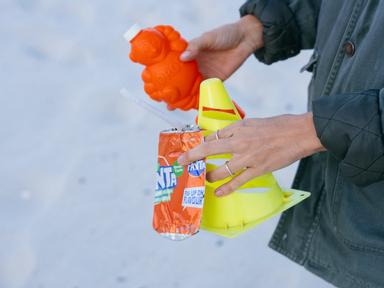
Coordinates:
[179,194]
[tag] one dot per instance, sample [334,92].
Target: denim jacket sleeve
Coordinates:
[289,26]
[351,127]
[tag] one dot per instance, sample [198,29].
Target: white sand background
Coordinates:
[77,159]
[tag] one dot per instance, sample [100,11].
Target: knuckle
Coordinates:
[231,129]
[262,168]
[267,167]
[211,176]
[187,156]
[238,129]
[193,44]
[223,133]
[205,36]
[233,145]
[241,145]
[206,148]
[244,122]
[234,184]
[206,39]
[218,174]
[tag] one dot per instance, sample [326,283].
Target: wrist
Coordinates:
[312,142]
[252,31]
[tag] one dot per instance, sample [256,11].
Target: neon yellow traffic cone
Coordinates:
[254,202]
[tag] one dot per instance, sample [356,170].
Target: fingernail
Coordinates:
[219,192]
[185,55]
[181,159]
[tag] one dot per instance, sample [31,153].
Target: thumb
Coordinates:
[195,46]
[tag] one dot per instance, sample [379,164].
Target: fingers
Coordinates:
[226,132]
[234,165]
[195,45]
[247,175]
[188,55]
[204,150]
[191,52]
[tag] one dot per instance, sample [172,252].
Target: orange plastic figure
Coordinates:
[165,77]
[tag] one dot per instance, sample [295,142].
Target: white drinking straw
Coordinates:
[152,109]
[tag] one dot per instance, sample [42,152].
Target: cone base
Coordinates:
[292,198]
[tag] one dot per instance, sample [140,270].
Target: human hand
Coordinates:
[258,146]
[220,52]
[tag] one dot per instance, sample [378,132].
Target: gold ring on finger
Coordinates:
[217,135]
[228,169]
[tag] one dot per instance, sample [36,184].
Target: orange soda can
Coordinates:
[179,195]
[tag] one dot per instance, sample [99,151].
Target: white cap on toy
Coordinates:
[132,32]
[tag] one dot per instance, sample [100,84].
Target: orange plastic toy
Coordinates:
[165,77]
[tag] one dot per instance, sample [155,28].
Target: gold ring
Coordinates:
[217,135]
[228,169]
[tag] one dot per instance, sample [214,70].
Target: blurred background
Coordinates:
[78,159]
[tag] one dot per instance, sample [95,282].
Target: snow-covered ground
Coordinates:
[77,159]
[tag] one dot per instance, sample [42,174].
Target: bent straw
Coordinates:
[152,109]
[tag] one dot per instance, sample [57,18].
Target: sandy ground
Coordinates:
[77,159]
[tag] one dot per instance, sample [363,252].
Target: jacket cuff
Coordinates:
[281,33]
[350,127]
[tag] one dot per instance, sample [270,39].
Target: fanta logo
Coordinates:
[166,178]
[196,168]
